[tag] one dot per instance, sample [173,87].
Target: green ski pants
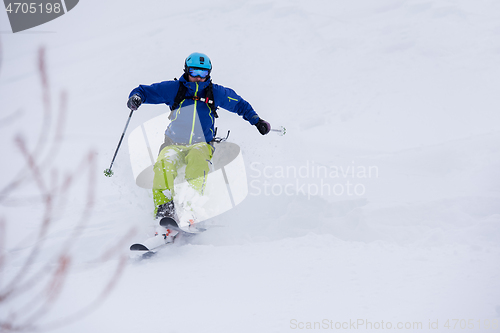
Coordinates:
[196,158]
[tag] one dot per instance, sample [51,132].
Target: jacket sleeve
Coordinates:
[157,93]
[228,99]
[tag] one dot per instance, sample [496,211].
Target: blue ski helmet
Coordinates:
[197,60]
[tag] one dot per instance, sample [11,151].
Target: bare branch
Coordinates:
[1,55]
[12,286]
[8,120]
[2,249]
[40,288]
[45,127]
[105,292]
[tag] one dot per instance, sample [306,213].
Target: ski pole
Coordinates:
[108,172]
[281,131]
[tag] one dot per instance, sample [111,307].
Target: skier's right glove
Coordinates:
[263,126]
[134,102]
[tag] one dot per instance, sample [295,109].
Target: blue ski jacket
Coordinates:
[193,121]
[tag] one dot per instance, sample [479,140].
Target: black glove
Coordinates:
[263,126]
[134,102]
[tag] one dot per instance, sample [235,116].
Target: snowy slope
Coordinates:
[380,203]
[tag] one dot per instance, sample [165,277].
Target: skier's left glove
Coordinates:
[263,126]
[134,102]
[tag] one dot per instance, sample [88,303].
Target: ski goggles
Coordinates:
[203,73]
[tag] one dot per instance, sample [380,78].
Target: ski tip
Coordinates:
[169,222]
[138,247]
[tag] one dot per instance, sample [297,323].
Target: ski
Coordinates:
[146,254]
[140,251]
[152,245]
[138,247]
[172,230]
[191,228]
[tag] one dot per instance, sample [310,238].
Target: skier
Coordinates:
[190,134]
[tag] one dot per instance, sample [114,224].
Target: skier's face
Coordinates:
[196,79]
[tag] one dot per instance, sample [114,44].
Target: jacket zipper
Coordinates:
[194,114]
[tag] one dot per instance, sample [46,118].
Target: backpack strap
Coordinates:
[210,100]
[181,95]
[181,92]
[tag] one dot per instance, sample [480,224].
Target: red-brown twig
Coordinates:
[43,287]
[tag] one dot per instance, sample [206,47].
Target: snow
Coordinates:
[392,104]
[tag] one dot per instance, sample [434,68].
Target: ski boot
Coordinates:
[166,210]
[167,217]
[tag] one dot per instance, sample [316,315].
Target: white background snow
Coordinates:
[406,87]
